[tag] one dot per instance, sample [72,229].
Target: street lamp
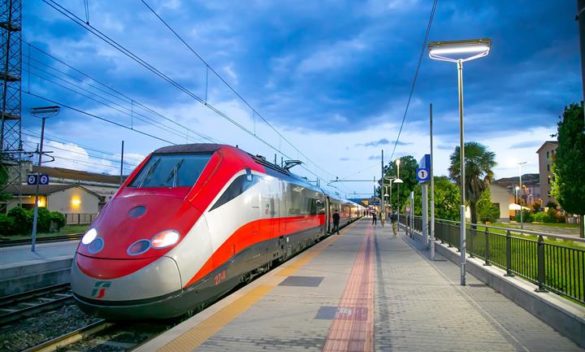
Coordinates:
[521,190]
[398,190]
[44,113]
[459,52]
[392,180]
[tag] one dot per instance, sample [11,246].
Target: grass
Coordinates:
[65,230]
[564,260]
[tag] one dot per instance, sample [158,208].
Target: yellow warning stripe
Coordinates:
[200,333]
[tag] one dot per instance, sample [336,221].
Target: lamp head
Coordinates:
[398,181]
[459,50]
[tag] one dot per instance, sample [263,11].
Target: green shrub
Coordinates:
[22,220]
[43,220]
[58,219]
[6,225]
[526,216]
[548,217]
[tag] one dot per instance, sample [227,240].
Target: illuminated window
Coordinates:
[75,202]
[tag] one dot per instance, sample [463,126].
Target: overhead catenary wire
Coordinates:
[56,102]
[157,72]
[107,103]
[414,79]
[230,87]
[50,137]
[86,154]
[116,93]
[412,87]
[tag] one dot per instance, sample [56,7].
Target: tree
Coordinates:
[486,210]
[478,172]
[408,166]
[569,166]
[446,199]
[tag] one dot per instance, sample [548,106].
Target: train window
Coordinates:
[171,170]
[237,187]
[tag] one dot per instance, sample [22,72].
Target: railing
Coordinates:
[553,262]
[79,219]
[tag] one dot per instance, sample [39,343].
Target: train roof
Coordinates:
[191,148]
[211,148]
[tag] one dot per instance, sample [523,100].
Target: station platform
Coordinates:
[22,270]
[364,290]
[22,255]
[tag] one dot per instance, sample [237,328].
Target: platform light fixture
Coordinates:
[458,52]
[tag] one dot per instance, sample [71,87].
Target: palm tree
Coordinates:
[478,172]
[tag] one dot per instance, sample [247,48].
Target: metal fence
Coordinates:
[553,262]
[79,219]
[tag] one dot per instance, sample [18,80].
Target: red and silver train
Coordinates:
[190,224]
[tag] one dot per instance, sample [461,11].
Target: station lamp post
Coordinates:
[398,190]
[392,180]
[459,52]
[521,194]
[44,113]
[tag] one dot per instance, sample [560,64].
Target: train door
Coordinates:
[328,214]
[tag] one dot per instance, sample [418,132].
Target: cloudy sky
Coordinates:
[332,77]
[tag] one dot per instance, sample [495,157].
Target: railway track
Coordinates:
[71,237]
[23,305]
[104,336]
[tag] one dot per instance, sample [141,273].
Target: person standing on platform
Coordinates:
[374,218]
[336,222]
[394,219]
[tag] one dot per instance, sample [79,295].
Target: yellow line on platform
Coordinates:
[200,333]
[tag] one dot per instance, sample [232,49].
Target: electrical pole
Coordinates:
[44,113]
[432,227]
[383,213]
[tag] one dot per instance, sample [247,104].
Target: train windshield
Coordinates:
[171,170]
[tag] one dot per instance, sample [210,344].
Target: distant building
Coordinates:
[77,194]
[77,203]
[528,194]
[502,197]
[546,156]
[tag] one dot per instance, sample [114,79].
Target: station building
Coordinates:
[79,195]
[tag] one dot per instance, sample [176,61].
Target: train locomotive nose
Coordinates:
[142,294]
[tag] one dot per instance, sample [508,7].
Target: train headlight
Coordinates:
[165,239]
[89,236]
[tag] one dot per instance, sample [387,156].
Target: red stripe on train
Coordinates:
[253,233]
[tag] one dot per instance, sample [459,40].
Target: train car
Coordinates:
[348,211]
[187,226]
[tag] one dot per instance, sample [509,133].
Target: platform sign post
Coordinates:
[423,175]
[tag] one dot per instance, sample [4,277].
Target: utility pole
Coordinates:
[44,113]
[432,195]
[581,19]
[383,213]
[10,91]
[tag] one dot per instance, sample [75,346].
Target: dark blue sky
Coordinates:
[324,73]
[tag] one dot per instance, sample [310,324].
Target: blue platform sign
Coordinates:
[425,162]
[423,175]
[42,179]
[31,180]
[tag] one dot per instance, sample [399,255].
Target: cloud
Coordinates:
[338,82]
[375,157]
[526,144]
[377,143]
